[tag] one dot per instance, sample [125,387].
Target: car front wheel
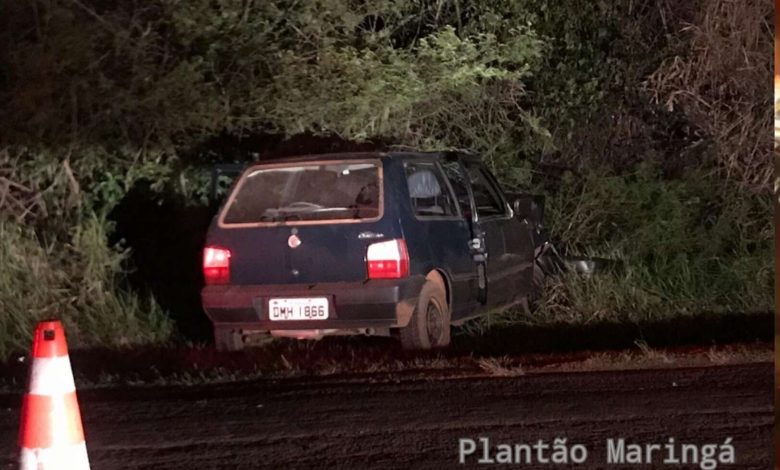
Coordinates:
[429,327]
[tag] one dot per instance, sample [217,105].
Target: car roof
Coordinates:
[364,155]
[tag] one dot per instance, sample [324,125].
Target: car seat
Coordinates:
[424,190]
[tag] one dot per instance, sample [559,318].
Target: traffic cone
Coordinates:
[50,435]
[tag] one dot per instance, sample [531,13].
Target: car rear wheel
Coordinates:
[429,326]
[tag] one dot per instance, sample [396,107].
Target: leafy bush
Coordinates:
[686,249]
[723,52]
[660,167]
[624,97]
[77,282]
[57,262]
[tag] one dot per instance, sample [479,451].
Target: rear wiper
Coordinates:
[270,218]
[285,217]
[355,211]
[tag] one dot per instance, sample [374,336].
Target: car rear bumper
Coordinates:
[369,304]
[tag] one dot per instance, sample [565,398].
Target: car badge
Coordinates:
[293,241]
[365,235]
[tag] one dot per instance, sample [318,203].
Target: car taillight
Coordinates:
[388,260]
[216,265]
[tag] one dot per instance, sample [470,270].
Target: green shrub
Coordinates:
[687,247]
[625,94]
[76,282]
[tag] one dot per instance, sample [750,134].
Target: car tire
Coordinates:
[429,327]
[227,339]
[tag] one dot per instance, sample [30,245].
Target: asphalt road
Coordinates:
[386,423]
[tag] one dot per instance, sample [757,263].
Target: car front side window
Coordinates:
[486,196]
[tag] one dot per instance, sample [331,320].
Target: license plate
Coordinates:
[298,308]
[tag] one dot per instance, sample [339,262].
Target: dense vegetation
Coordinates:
[644,123]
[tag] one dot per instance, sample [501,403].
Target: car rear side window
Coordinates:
[428,190]
[306,193]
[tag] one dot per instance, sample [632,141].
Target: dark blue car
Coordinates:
[396,243]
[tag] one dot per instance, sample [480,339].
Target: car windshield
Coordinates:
[306,192]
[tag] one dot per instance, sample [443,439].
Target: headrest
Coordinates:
[423,184]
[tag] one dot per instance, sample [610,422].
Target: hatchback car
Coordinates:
[399,243]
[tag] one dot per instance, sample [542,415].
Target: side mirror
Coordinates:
[529,206]
[518,205]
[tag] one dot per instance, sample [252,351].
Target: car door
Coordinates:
[519,233]
[486,234]
[440,230]
[506,259]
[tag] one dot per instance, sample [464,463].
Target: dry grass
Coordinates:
[504,366]
[719,80]
[718,357]
[649,358]
[353,362]
[654,355]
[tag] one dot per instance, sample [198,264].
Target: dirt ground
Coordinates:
[380,421]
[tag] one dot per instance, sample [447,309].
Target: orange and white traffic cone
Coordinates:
[50,435]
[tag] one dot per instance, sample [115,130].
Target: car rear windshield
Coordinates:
[306,192]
